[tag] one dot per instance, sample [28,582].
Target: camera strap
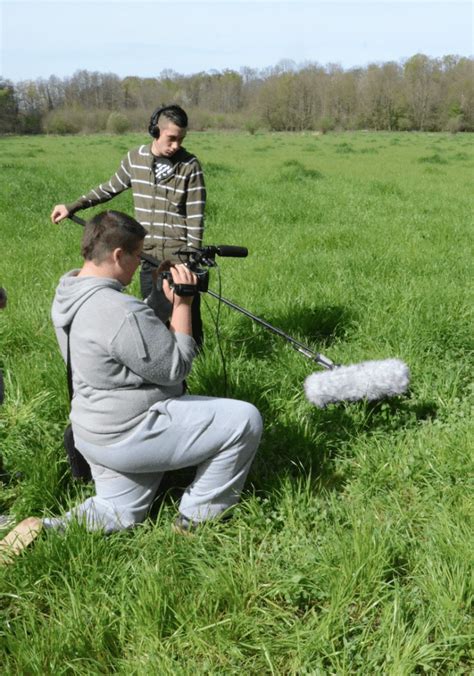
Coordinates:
[80,468]
[67,330]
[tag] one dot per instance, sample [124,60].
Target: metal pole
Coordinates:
[315,356]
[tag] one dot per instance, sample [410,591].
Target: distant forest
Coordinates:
[422,94]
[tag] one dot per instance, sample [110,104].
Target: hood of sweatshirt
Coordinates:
[73,291]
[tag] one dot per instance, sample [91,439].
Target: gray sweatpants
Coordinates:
[220,436]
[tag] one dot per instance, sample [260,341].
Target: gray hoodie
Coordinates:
[123,357]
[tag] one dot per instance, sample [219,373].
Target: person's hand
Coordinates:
[156,272]
[181,274]
[58,213]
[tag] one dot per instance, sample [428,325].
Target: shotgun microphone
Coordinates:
[227,251]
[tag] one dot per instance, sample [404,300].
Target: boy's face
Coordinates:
[129,262]
[170,139]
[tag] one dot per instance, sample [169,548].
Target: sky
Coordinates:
[145,37]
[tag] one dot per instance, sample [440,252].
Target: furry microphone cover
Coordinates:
[370,380]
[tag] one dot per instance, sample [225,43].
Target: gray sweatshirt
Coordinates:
[123,357]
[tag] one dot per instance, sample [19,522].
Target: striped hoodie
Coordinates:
[172,211]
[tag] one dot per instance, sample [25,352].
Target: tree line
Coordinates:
[422,94]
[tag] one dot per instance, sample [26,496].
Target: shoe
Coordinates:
[19,538]
[184,526]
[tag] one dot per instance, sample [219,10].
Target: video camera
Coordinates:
[194,259]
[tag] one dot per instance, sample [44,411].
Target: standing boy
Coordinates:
[169,196]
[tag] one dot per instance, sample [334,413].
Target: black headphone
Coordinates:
[153,127]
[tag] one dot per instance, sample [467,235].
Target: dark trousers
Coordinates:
[146,287]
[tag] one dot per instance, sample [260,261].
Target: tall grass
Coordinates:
[350,551]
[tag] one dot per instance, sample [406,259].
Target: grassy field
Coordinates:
[350,552]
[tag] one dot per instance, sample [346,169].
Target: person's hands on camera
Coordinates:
[59,213]
[181,274]
[156,272]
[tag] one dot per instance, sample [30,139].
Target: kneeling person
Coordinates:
[130,416]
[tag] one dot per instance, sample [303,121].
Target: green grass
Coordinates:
[350,552]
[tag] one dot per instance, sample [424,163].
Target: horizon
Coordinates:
[286,65]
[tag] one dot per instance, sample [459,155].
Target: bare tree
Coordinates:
[8,107]
[421,80]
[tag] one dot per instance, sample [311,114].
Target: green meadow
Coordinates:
[351,550]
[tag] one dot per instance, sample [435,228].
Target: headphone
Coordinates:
[153,128]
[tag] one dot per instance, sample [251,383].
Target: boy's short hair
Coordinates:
[110,230]
[174,114]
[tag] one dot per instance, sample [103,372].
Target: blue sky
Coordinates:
[144,37]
